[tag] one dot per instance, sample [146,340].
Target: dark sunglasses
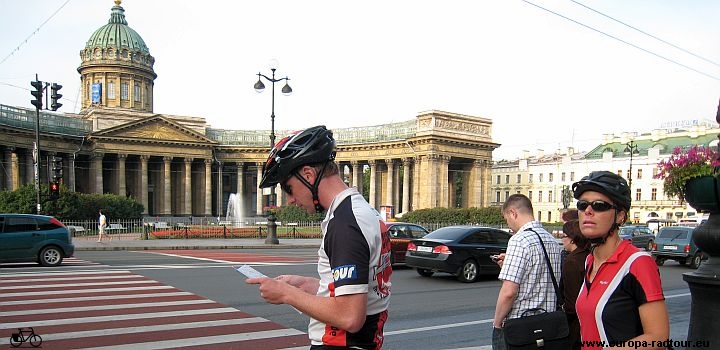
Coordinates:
[598,206]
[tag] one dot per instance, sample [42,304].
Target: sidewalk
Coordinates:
[177,244]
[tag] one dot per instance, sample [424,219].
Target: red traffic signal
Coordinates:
[54,190]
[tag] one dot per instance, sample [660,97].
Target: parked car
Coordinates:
[641,236]
[463,251]
[676,243]
[38,238]
[401,233]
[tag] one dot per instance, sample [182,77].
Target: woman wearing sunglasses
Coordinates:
[621,302]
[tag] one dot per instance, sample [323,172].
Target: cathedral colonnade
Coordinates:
[175,167]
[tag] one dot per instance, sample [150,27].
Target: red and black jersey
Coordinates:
[608,306]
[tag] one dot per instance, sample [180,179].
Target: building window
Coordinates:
[497,197]
[639,174]
[549,219]
[136,93]
[498,179]
[655,172]
[572,176]
[124,93]
[638,193]
[653,194]
[539,216]
[540,177]
[519,178]
[507,179]
[530,195]
[530,178]
[550,177]
[562,176]
[619,172]
[550,197]
[539,196]
[111,90]
[507,195]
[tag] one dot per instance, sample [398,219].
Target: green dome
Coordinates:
[117,34]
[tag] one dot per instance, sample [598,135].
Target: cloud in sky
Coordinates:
[546,81]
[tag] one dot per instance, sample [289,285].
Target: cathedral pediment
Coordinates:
[154,129]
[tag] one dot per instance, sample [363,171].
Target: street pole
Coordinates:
[259,87]
[36,151]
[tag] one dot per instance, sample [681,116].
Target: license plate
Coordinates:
[424,249]
[670,247]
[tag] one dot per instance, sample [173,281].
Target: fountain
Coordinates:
[235,210]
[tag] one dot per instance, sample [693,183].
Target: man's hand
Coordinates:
[500,259]
[272,290]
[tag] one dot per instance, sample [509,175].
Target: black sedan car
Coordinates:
[463,251]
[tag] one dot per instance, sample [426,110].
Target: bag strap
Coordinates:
[547,260]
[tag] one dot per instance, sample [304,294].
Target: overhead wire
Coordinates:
[648,34]
[34,32]
[624,41]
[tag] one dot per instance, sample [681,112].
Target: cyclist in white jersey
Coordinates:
[348,303]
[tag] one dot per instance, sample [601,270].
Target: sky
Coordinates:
[549,74]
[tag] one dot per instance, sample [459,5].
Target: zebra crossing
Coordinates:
[117,309]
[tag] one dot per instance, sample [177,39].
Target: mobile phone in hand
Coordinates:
[495,258]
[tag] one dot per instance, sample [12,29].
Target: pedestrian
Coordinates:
[526,282]
[621,297]
[102,223]
[348,303]
[573,272]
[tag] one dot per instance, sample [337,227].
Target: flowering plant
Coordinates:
[686,164]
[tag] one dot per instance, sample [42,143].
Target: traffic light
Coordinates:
[55,96]
[54,190]
[38,92]
[56,168]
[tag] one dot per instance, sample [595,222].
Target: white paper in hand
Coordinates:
[248,271]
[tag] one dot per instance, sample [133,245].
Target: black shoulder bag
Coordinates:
[538,328]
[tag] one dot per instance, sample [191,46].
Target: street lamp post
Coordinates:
[286,90]
[631,149]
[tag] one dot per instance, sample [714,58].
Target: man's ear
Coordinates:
[308,173]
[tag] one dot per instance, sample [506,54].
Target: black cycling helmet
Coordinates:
[310,146]
[607,183]
[611,185]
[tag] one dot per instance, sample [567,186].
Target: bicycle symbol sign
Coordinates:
[25,335]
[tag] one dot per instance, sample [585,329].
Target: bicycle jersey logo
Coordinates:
[345,272]
[25,335]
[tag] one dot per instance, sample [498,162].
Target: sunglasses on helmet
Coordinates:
[598,206]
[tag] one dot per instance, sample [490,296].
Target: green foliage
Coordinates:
[71,205]
[293,213]
[486,216]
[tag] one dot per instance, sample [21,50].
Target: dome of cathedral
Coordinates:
[117,34]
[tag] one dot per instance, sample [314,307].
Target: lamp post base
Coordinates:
[704,284]
[272,230]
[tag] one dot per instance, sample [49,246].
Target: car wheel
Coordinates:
[649,246]
[659,261]
[696,260]
[468,272]
[425,272]
[50,256]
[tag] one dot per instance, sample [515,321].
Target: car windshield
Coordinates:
[449,233]
[673,234]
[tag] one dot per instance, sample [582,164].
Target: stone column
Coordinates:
[475,192]
[143,180]
[219,198]
[240,191]
[96,172]
[372,196]
[187,186]
[444,181]
[7,164]
[29,169]
[208,187]
[122,185]
[15,170]
[167,187]
[69,179]
[417,199]
[390,183]
[357,175]
[430,187]
[259,194]
[407,162]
